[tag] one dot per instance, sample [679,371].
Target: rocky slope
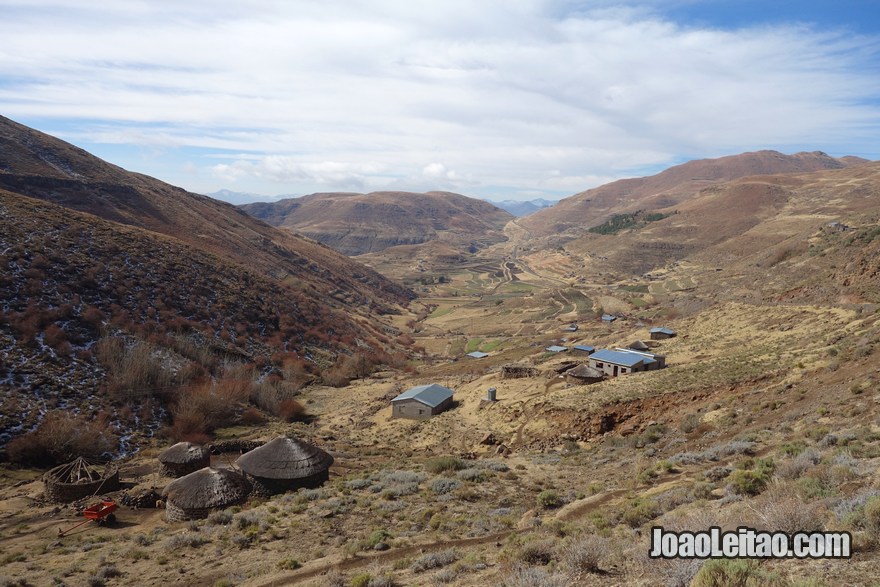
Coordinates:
[97,259]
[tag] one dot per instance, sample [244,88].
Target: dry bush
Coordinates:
[780,508]
[61,437]
[134,371]
[798,465]
[291,410]
[537,552]
[521,576]
[200,409]
[584,554]
[347,368]
[253,417]
[270,396]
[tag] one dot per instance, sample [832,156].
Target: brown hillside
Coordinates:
[749,222]
[38,165]
[363,223]
[671,187]
[122,293]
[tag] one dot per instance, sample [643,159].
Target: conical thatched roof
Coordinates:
[585,372]
[184,452]
[285,458]
[207,488]
[639,346]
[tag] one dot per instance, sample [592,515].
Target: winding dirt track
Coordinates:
[572,511]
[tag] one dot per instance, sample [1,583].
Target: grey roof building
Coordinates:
[608,318]
[661,332]
[421,402]
[478,355]
[556,348]
[584,348]
[622,361]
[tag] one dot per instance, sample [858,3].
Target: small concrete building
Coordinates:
[659,361]
[584,348]
[661,332]
[421,402]
[620,362]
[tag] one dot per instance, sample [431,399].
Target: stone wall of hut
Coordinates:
[174,513]
[267,487]
[518,372]
[67,492]
[181,469]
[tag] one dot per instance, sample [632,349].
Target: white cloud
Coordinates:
[379,93]
[438,171]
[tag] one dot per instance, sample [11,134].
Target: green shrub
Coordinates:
[549,499]
[442,464]
[288,564]
[639,511]
[747,482]
[734,573]
[872,514]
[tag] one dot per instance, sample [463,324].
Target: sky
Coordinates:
[499,99]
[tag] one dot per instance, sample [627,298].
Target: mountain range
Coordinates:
[356,223]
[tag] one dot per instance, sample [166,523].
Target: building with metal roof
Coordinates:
[477,355]
[556,348]
[421,402]
[584,348]
[608,318]
[621,361]
[659,361]
[570,328]
[661,332]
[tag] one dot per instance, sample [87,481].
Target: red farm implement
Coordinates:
[101,513]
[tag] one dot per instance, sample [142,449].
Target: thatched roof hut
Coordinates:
[184,458]
[584,374]
[193,496]
[78,479]
[284,464]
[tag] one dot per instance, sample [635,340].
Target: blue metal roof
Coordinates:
[584,347]
[477,355]
[620,358]
[431,395]
[556,348]
[662,330]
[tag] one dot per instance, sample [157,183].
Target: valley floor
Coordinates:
[765,417]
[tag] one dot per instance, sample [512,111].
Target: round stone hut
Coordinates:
[584,375]
[78,479]
[193,496]
[184,458]
[285,464]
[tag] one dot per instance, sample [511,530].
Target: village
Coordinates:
[206,479]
